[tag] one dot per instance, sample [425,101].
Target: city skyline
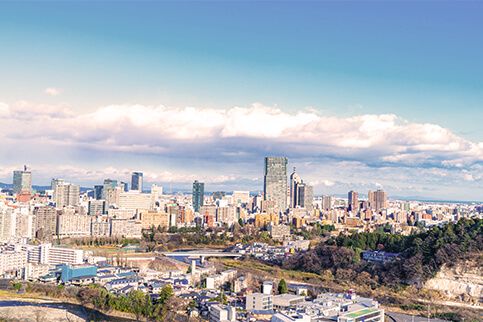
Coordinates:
[383,100]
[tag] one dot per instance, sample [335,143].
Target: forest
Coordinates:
[421,255]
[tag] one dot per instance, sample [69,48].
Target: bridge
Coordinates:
[201,254]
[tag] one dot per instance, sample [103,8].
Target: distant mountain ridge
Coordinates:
[36,187]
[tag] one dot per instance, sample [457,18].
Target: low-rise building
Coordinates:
[259,302]
[222,313]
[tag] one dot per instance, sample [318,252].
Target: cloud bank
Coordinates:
[248,133]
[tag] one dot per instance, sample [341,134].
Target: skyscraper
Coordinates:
[294,181]
[198,195]
[98,189]
[305,195]
[275,181]
[109,185]
[54,182]
[22,181]
[380,200]
[371,201]
[353,201]
[66,194]
[137,181]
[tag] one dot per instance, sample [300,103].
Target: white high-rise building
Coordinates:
[66,194]
[8,223]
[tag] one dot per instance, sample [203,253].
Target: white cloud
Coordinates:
[420,155]
[239,131]
[53,91]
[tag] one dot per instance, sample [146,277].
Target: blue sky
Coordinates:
[418,61]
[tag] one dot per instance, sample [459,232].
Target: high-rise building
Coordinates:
[301,194]
[380,200]
[305,195]
[371,201]
[8,220]
[198,195]
[45,222]
[98,189]
[275,181]
[294,181]
[327,202]
[54,182]
[124,186]
[353,201]
[109,184]
[137,181]
[66,194]
[22,181]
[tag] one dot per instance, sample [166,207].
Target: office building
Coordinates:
[22,181]
[54,182]
[98,192]
[301,194]
[353,201]
[135,201]
[198,195]
[305,195]
[66,194]
[275,181]
[112,195]
[137,181]
[124,186]
[327,202]
[379,200]
[294,181]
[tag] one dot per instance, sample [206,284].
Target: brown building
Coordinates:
[154,219]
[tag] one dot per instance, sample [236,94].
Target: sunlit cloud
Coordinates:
[361,150]
[53,91]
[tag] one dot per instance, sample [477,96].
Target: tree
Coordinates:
[165,294]
[282,287]
[137,302]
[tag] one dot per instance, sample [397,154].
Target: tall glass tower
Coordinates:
[137,181]
[198,195]
[275,181]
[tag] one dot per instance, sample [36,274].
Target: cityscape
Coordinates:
[142,244]
[241,161]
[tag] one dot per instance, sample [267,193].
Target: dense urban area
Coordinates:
[124,251]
